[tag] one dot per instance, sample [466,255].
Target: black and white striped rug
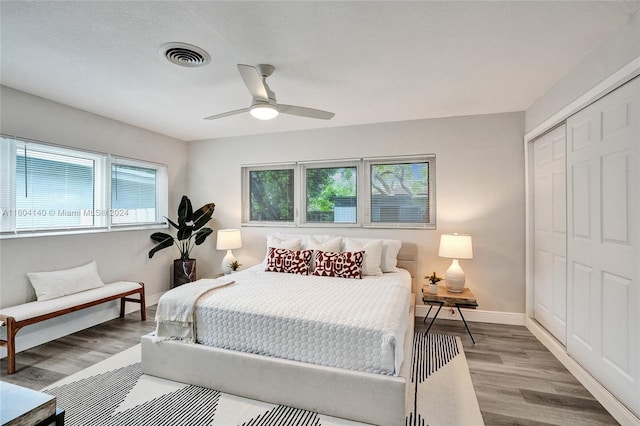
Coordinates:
[115,392]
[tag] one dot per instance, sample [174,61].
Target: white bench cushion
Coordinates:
[34,309]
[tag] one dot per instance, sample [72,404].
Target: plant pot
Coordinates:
[433,288]
[184,271]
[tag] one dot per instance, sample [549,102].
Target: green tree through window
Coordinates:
[331,194]
[271,195]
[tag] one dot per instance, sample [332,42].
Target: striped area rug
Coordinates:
[115,392]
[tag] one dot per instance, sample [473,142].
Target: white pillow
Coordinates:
[372,254]
[50,285]
[390,250]
[322,243]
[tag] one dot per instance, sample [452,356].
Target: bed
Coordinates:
[332,367]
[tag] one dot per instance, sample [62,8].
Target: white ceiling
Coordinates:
[368,62]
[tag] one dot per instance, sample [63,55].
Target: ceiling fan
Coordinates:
[264,105]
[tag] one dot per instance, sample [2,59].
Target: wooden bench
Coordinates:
[16,317]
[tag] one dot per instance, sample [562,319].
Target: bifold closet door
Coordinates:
[550,200]
[603,256]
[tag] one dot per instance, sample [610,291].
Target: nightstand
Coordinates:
[465,299]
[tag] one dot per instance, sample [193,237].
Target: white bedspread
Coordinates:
[346,323]
[175,312]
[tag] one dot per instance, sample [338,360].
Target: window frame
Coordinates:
[309,165]
[363,192]
[246,194]
[430,159]
[103,163]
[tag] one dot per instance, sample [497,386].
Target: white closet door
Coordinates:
[603,324]
[550,266]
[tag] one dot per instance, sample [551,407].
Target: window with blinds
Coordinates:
[400,192]
[133,194]
[46,188]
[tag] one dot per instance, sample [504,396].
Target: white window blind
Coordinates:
[401,192]
[53,190]
[133,194]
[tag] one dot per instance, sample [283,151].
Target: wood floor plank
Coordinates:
[517,380]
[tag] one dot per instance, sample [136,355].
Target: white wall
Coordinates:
[119,255]
[618,50]
[480,191]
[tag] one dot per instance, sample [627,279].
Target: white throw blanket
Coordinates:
[175,312]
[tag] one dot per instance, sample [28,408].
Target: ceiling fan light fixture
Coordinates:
[264,112]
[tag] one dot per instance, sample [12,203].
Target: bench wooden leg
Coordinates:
[122,302]
[11,345]
[140,300]
[143,305]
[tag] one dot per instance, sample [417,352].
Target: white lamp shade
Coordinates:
[455,246]
[229,239]
[264,112]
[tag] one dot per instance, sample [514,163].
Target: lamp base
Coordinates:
[454,278]
[228,259]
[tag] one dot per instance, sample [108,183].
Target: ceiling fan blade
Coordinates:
[227,114]
[305,112]
[253,80]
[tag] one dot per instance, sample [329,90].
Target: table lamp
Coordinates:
[455,246]
[228,239]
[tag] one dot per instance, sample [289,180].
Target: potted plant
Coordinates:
[433,283]
[235,266]
[191,232]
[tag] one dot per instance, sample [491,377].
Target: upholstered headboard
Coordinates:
[408,259]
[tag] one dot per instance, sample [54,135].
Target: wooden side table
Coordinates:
[465,299]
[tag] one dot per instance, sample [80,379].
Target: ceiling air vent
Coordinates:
[185,55]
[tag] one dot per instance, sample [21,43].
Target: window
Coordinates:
[46,188]
[330,193]
[133,194]
[400,192]
[269,194]
[396,192]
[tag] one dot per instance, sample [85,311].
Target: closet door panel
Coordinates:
[550,232]
[603,258]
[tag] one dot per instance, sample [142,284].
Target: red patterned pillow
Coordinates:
[342,265]
[288,261]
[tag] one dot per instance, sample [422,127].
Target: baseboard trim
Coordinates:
[474,315]
[617,409]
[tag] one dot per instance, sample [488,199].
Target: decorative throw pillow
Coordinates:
[372,254]
[277,242]
[288,261]
[50,285]
[342,265]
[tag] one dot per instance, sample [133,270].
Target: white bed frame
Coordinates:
[354,395]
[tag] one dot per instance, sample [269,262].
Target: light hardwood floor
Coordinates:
[516,379]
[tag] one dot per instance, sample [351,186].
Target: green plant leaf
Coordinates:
[160,237]
[163,242]
[184,233]
[185,211]
[172,223]
[203,215]
[202,235]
